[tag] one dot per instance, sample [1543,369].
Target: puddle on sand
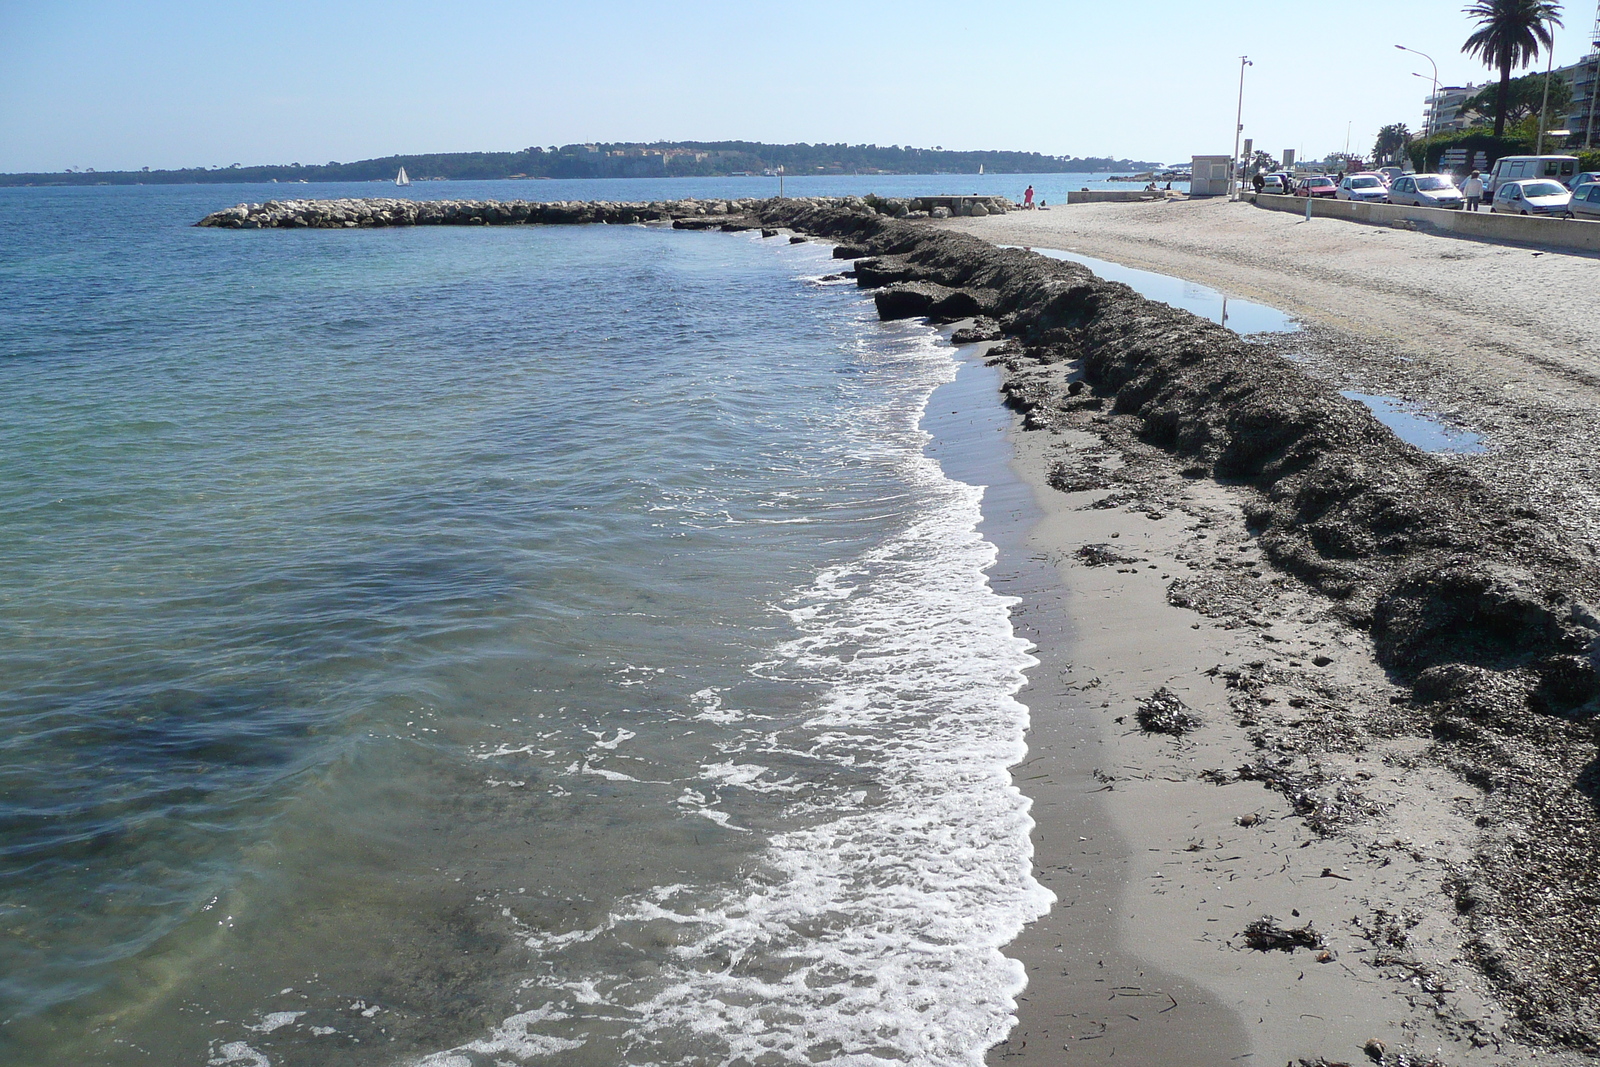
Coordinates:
[1408,421]
[1240,316]
[1415,428]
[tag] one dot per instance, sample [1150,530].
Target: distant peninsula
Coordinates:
[664,159]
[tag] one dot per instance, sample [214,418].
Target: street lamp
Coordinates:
[1544,105]
[1238,127]
[1433,102]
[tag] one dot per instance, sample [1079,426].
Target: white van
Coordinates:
[1516,168]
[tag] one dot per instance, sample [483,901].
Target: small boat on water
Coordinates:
[401,179]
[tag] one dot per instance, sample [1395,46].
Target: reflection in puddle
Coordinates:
[1416,428]
[1241,316]
[1408,421]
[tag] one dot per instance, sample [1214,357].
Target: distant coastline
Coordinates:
[675,159]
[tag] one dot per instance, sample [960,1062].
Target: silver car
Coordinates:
[1367,187]
[1425,190]
[1531,196]
[1585,202]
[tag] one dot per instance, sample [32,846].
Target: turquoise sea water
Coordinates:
[447,646]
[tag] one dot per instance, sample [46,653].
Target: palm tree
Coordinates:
[1509,33]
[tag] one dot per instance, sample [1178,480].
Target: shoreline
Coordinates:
[1378,837]
[1312,732]
[1064,1006]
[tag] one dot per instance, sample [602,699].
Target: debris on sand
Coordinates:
[1325,801]
[1101,555]
[1265,935]
[1164,713]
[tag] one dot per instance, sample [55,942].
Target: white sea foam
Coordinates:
[237,1054]
[748,776]
[514,1037]
[711,709]
[274,1020]
[872,931]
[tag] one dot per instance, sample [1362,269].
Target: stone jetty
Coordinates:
[370,212]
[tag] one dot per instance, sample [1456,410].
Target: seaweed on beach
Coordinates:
[1325,801]
[1076,478]
[1265,935]
[1164,713]
[1103,555]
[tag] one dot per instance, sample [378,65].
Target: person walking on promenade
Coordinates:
[1472,189]
[1027,198]
[1258,181]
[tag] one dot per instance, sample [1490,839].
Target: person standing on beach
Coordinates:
[1027,198]
[1472,189]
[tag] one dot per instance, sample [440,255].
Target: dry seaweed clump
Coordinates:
[1265,935]
[1164,713]
[1325,801]
[1103,555]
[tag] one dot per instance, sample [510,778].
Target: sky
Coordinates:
[114,84]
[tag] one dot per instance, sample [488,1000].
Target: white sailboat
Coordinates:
[980,168]
[401,179]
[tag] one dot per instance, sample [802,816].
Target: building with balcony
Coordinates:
[1582,120]
[1443,110]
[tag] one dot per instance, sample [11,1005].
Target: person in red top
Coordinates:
[1027,197]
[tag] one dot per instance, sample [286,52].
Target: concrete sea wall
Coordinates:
[1109,196]
[1511,229]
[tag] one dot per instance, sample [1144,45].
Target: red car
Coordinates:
[1322,186]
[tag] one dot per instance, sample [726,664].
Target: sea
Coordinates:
[514,645]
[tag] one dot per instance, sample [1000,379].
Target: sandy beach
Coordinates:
[1145,959]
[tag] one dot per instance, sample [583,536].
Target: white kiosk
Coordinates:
[1210,175]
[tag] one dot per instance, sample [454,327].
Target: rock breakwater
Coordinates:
[373,212]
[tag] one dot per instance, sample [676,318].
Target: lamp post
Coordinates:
[1594,96]
[1238,128]
[1433,101]
[1549,65]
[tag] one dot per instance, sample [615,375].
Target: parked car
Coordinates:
[1583,177]
[1516,168]
[1537,196]
[1390,175]
[1585,202]
[1273,183]
[1320,185]
[1367,187]
[1425,190]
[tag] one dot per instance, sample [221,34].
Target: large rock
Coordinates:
[883,270]
[909,300]
[965,304]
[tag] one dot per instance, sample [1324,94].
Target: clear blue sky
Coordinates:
[168,83]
